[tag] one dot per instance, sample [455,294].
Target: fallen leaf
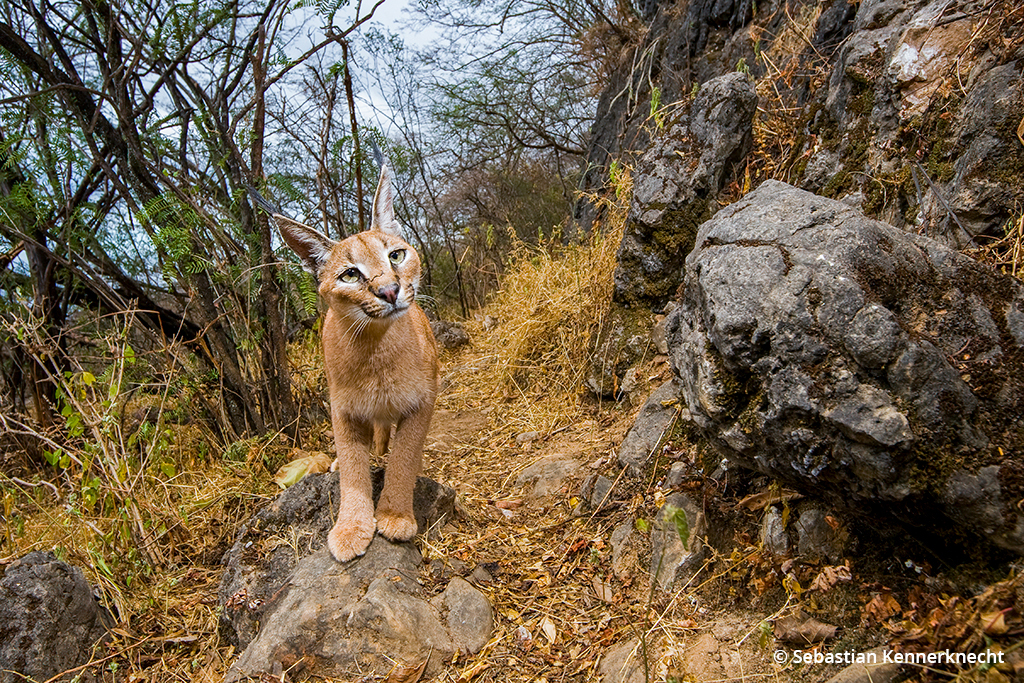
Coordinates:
[407,674]
[547,627]
[1020,132]
[603,589]
[880,608]
[291,473]
[803,629]
[759,501]
[524,637]
[830,576]
[994,623]
[473,671]
[507,504]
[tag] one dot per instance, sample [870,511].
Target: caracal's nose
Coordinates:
[389,293]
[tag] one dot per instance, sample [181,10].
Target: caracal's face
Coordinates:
[371,276]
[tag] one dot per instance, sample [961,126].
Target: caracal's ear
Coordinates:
[384,206]
[313,248]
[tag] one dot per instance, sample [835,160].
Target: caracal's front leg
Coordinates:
[395,519]
[355,525]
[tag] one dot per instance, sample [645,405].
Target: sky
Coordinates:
[392,16]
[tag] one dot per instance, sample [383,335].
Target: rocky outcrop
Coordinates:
[49,620]
[920,118]
[288,605]
[843,356]
[675,183]
[911,109]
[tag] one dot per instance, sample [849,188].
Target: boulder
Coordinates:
[843,356]
[50,622]
[290,606]
[293,526]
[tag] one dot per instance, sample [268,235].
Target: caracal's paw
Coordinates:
[395,526]
[350,538]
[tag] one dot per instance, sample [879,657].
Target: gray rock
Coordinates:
[816,539]
[449,335]
[827,350]
[623,663]
[596,490]
[49,620]
[675,560]
[294,525]
[658,337]
[338,619]
[670,199]
[527,437]
[548,476]
[977,193]
[469,617]
[880,672]
[773,536]
[651,426]
[625,543]
[676,475]
[481,575]
[721,122]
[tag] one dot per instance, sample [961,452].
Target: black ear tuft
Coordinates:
[378,156]
[313,248]
[258,199]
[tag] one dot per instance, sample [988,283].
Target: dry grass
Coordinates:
[532,342]
[1006,253]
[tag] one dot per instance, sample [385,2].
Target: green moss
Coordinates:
[862,101]
[888,189]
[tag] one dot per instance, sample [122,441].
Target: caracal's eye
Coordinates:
[350,276]
[397,256]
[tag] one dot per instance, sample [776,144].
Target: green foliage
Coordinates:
[176,232]
[657,113]
[677,517]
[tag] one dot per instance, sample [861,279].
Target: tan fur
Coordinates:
[381,361]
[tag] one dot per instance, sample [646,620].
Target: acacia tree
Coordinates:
[129,133]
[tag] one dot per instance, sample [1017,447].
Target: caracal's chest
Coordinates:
[378,378]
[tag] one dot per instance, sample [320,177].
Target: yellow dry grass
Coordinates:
[533,341]
[1007,252]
